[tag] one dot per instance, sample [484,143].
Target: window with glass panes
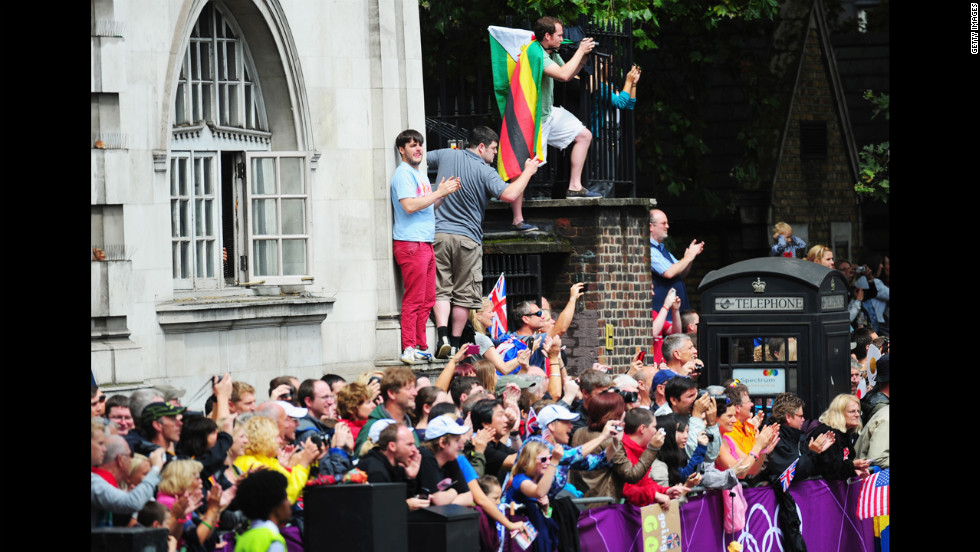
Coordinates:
[231,196]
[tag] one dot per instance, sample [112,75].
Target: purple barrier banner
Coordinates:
[827,512]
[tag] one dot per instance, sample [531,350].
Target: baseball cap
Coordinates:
[663,376]
[443,425]
[502,382]
[292,410]
[155,411]
[554,412]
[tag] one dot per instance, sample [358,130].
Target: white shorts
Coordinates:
[561,128]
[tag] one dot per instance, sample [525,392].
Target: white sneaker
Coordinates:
[408,356]
[422,356]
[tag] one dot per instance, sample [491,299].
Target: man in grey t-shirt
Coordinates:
[459,229]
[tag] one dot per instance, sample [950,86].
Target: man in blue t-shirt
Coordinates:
[413,206]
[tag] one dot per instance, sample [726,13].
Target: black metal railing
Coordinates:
[460,96]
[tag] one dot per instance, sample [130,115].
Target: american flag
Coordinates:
[787,476]
[873,500]
[498,302]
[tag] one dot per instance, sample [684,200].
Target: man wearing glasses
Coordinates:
[668,271]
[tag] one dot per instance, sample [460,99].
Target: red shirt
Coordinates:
[643,492]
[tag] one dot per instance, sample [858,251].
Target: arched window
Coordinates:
[240,212]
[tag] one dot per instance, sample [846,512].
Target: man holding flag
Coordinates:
[459,229]
[524,86]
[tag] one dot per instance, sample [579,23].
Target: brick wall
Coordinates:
[609,248]
[815,191]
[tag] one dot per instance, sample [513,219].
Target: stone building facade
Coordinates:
[241,157]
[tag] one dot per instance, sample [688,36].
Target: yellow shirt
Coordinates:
[296,476]
[743,434]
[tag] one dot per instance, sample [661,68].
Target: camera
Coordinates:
[233,521]
[321,439]
[629,397]
[859,270]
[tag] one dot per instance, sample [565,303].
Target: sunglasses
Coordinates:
[538,314]
[544,459]
[101,399]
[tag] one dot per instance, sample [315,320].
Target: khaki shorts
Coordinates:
[459,270]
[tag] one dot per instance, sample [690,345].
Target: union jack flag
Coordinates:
[873,500]
[787,476]
[531,424]
[498,302]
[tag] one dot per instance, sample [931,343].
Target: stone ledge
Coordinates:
[237,312]
[646,202]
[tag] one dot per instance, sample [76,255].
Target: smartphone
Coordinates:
[445,484]
[528,341]
[473,350]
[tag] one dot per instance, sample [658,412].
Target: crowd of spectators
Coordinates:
[504,428]
[521,447]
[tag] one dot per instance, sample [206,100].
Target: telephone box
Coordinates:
[777,325]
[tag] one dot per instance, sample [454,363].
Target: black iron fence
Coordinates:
[459,96]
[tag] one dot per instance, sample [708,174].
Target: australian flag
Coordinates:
[498,302]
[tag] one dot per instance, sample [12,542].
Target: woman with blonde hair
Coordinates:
[262,451]
[529,482]
[843,418]
[822,255]
[481,320]
[139,466]
[180,484]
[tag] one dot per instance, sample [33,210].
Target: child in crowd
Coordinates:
[787,244]
[262,498]
[155,514]
[490,532]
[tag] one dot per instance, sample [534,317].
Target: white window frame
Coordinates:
[209,90]
[278,234]
[195,214]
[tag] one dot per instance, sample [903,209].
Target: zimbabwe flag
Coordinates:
[517,61]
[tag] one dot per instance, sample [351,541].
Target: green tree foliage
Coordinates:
[873,165]
[684,39]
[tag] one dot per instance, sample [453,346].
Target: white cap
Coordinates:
[442,425]
[554,412]
[292,410]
